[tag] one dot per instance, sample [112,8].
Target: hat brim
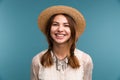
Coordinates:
[75,14]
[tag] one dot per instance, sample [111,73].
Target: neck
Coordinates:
[61,51]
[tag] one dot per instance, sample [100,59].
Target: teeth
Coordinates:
[60,35]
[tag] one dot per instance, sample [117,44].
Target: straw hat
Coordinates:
[75,14]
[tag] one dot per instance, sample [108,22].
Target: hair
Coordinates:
[73,61]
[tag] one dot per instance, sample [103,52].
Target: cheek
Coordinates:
[52,30]
[68,31]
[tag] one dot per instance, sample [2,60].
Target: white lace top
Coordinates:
[38,72]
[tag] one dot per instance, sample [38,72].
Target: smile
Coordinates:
[60,35]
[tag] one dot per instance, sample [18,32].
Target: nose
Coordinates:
[60,28]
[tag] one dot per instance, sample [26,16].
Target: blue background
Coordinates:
[20,38]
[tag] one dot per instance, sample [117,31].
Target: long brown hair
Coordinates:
[73,61]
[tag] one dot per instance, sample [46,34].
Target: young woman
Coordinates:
[62,26]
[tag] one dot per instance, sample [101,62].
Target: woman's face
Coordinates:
[60,30]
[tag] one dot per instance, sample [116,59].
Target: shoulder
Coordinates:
[37,57]
[82,54]
[86,58]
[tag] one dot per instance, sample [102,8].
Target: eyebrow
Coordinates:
[58,22]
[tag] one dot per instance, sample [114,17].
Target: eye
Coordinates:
[54,24]
[66,25]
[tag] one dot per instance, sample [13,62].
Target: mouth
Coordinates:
[60,36]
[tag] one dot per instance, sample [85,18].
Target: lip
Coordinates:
[60,36]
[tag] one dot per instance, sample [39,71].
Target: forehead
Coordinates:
[60,17]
